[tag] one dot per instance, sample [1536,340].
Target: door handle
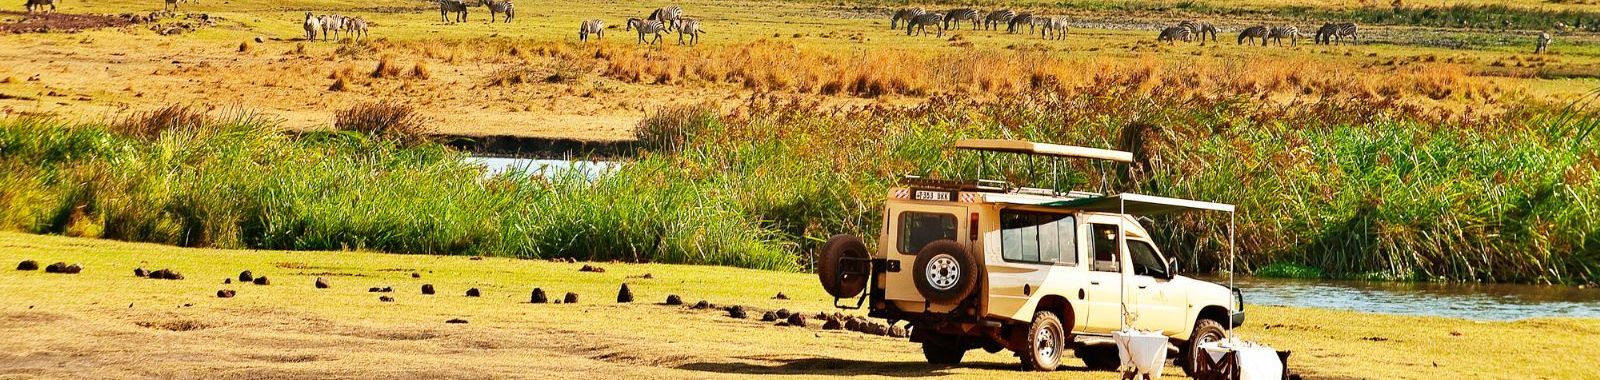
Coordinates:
[1094,282]
[1143,286]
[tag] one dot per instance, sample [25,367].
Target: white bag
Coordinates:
[1142,352]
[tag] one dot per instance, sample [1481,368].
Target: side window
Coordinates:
[1145,260]
[1036,237]
[1106,258]
[917,229]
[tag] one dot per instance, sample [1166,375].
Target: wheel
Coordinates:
[1205,331]
[1046,339]
[832,263]
[938,352]
[945,272]
[1099,357]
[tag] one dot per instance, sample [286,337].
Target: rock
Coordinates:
[473,292]
[571,297]
[28,265]
[821,316]
[475,258]
[56,268]
[164,274]
[897,331]
[385,298]
[245,276]
[386,289]
[225,293]
[783,313]
[140,272]
[701,305]
[797,320]
[227,280]
[263,281]
[852,324]
[737,312]
[558,302]
[624,295]
[832,324]
[374,289]
[174,275]
[73,269]
[260,40]
[322,283]
[673,299]
[427,289]
[876,329]
[538,296]
[769,317]
[591,268]
[780,296]
[416,275]
[456,321]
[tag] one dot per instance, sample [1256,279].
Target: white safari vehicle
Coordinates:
[984,264]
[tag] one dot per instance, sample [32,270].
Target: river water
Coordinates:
[1470,301]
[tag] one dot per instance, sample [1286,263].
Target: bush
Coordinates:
[385,119]
[670,128]
[150,124]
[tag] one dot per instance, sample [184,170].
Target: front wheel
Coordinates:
[1205,331]
[1046,339]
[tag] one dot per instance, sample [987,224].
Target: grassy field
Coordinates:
[105,322]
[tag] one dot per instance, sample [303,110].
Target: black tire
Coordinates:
[831,263]
[955,271]
[1205,330]
[938,351]
[1046,339]
[1099,357]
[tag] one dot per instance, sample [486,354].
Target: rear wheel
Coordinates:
[1046,339]
[1205,331]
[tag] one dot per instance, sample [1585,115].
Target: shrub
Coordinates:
[670,128]
[150,124]
[385,119]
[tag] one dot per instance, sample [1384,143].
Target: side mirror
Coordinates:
[1172,267]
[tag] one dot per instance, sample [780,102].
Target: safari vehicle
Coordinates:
[985,264]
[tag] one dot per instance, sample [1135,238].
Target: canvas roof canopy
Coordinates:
[1027,147]
[1139,204]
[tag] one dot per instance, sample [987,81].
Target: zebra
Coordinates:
[1020,19]
[355,26]
[1201,29]
[332,24]
[690,27]
[595,27]
[998,17]
[1277,34]
[904,14]
[1052,28]
[39,5]
[921,22]
[457,7]
[312,25]
[668,16]
[956,16]
[170,4]
[1543,44]
[1174,33]
[646,27]
[1333,33]
[1252,33]
[499,6]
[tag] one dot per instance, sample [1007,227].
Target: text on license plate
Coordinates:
[922,195]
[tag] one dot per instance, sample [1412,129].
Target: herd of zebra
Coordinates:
[354,28]
[665,19]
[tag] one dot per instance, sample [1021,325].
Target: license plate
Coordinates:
[923,195]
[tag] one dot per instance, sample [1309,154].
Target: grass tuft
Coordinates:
[385,119]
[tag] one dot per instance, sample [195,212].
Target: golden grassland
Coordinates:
[531,78]
[105,322]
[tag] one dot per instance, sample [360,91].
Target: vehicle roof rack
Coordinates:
[1028,147]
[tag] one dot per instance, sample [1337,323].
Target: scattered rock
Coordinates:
[374,289]
[558,302]
[56,268]
[475,258]
[28,265]
[322,283]
[226,281]
[73,269]
[416,275]
[624,295]
[427,289]
[473,292]
[821,316]
[140,272]
[673,299]
[769,317]
[852,324]
[737,312]
[245,276]
[797,320]
[832,324]
[1455,333]
[591,268]
[385,298]
[873,328]
[263,281]
[259,39]
[701,305]
[780,296]
[572,297]
[225,293]
[456,321]
[783,313]
[386,289]
[898,331]
[538,296]
[164,274]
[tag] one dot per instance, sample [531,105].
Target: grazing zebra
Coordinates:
[456,7]
[956,16]
[331,25]
[690,27]
[1173,34]
[904,14]
[595,27]
[921,22]
[39,4]
[647,27]
[1543,44]
[1020,19]
[1333,33]
[312,25]
[1277,34]
[1252,33]
[354,27]
[499,6]
[668,16]
[998,17]
[1052,28]
[170,4]
[1201,29]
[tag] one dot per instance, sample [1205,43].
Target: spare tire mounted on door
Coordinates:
[844,266]
[945,272]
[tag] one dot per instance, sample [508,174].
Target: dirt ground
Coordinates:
[107,323]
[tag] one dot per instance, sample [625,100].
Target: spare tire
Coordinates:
[945,272]
[832,263]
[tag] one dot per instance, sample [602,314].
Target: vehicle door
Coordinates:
[915,225]
[1035,252]
[1102,235]
[1160,305]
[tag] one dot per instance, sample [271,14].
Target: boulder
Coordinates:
[416,275]
[386,289]
[571,297]
[624,295]
[227,280]
[473,292]
[701,305]
[591,268]
[456,321]
[374,289]
[852,324]
[322,283]
[673,299]
[797,320]
[737,312]
[56,268]
[780,296]
[783,313]
[427,289]
[832,324]
[28,265]
[73,269]
[263,281]
[769,316]
[385,298]
[225,293]
[140,272]
[538,296]
[246,276]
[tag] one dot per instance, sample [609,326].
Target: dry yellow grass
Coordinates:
[105,322]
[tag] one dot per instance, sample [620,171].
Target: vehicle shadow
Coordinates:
[846,367]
